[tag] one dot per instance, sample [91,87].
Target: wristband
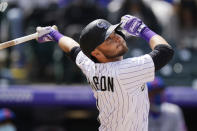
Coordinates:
[147,34]
[55,35]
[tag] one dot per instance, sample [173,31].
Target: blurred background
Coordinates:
[41,89]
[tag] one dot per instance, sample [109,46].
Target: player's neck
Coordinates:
[111,59]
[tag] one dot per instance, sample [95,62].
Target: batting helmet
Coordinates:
[94,34]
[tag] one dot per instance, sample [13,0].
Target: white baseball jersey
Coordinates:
[120,90]
[171,119]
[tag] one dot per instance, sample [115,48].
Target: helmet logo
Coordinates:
[102,25]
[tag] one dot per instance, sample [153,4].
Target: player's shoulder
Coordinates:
[81,57]
[145,56]
[86,65]
[136,60]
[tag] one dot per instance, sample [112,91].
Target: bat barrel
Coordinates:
[18,41]
[7,44]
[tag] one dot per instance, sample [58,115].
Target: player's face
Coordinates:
[114,46]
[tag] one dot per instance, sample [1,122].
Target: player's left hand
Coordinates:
[132,25]
[44,34]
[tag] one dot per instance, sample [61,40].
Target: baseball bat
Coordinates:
[21,40]
[18,41]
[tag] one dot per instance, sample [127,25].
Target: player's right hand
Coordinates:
[132,25]
[44,34]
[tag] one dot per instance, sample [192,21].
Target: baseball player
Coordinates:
[119,85]
[163,116]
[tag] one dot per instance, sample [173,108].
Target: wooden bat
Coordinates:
[21,40]
[18,41]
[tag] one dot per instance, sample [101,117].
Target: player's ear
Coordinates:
[95,53]
[98,55]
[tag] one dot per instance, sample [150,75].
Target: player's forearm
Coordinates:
[67,43]
[157,40]
[162,52]
[51,34]
[152,38]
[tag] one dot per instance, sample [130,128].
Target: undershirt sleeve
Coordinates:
[161,55]
[74,52]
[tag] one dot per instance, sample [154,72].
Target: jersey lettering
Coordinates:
[103,83]
[92,85]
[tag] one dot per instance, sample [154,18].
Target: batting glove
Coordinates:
[48,33]
[135,27]
[132,25]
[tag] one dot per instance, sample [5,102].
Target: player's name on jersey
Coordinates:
[103,83]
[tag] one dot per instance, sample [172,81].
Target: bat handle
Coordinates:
[26,38]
